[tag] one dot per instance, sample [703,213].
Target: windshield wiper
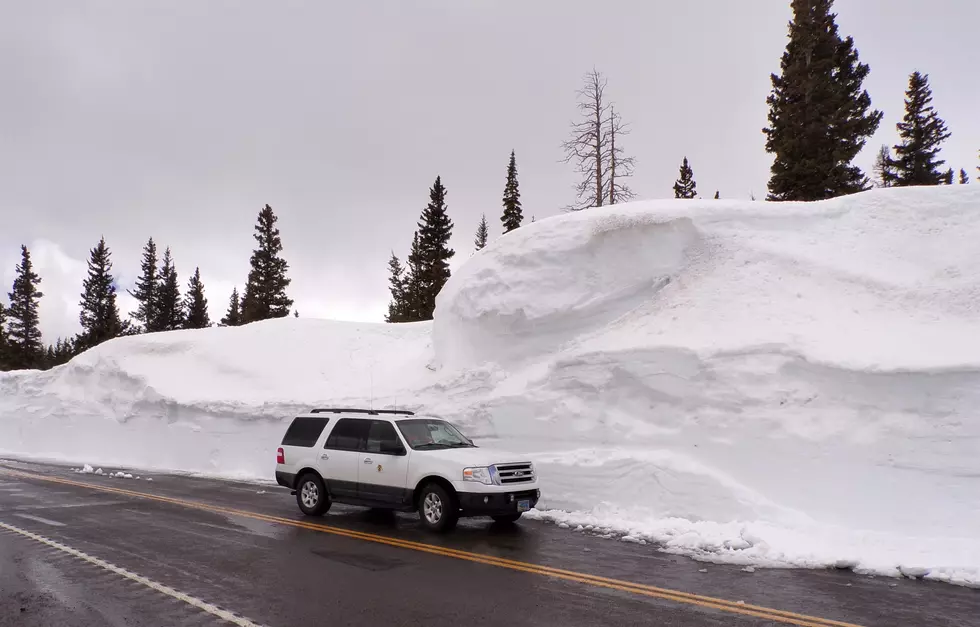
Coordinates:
[422,447]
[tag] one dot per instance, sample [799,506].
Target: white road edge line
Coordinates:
[46,521]
[186,598]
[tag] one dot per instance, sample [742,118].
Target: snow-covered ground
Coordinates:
[773,384]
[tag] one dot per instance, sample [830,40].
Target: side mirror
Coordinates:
[392,448]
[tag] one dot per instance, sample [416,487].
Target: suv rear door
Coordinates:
[339,458]
[298,442]
[383,465]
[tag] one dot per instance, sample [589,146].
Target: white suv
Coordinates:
[393,459]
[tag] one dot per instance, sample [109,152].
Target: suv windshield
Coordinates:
[427,433]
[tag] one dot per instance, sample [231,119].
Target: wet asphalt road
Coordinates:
[272,572]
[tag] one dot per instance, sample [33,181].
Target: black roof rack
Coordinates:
[351,410]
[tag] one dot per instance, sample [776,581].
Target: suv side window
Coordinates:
[349,435]
[304,431]
[381,438]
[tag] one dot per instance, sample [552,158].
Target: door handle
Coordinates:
[367,460]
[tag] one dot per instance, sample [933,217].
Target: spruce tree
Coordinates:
[265,291]
[513,214]
[4,342]
[396,285]
[921,131]
[147,286]
[169,306]
[233,317]
[25,350]
[947,177]
[414,284]
[482,231]
[964,179]
[819,115]
[435,230]
[196,316]
[685,187]
[48,361]
[884,173]
[99,314]
[717,195]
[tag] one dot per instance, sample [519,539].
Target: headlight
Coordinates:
[480,475]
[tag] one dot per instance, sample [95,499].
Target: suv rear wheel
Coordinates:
[311,495]
[437,508]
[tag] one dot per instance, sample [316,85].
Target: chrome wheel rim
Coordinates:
[432,508]
[310,494]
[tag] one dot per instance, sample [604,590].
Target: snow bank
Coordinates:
[758,383]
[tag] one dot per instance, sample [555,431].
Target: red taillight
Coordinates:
[280,457]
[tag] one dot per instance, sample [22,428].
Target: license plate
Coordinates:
[523,505]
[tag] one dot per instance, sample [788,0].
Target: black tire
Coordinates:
[311,495]
[509,519]
[437,508]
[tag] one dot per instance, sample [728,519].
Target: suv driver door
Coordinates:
[383,466]
[339,458]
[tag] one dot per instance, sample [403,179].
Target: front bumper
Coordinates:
[496,503]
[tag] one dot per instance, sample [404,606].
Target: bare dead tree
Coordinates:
[588,143]
[620,166]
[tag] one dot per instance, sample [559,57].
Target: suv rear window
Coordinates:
[304,431]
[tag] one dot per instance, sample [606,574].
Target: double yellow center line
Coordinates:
[724,605]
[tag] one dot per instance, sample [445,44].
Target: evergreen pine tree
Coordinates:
[948,177]
[65,350]
[233,317]
[4,342]
[25,350]
[396,285]
[48,361]
[685,187]
[513,214]
[964,179]
[99,314]
[884,173]
[147,286]
[435,230]
[482,231]
[196,316]
[819,116]
[717,195]
[265,291]
[414,284]
[921,131]
[169,306]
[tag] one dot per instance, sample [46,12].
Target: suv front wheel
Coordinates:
[311,495]
[437,508]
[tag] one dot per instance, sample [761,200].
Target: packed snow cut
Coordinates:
[769,384]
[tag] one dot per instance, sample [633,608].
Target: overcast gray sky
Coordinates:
[181,119]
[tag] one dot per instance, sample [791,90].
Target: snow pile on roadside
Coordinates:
[88,470]
[758,383]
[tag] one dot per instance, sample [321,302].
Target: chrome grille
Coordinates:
[510,474]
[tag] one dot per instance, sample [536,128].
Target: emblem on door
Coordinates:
[379,468]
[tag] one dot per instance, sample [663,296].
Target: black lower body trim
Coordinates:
[286,479]
[495,504]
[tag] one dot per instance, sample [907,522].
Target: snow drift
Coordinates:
[761,383]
